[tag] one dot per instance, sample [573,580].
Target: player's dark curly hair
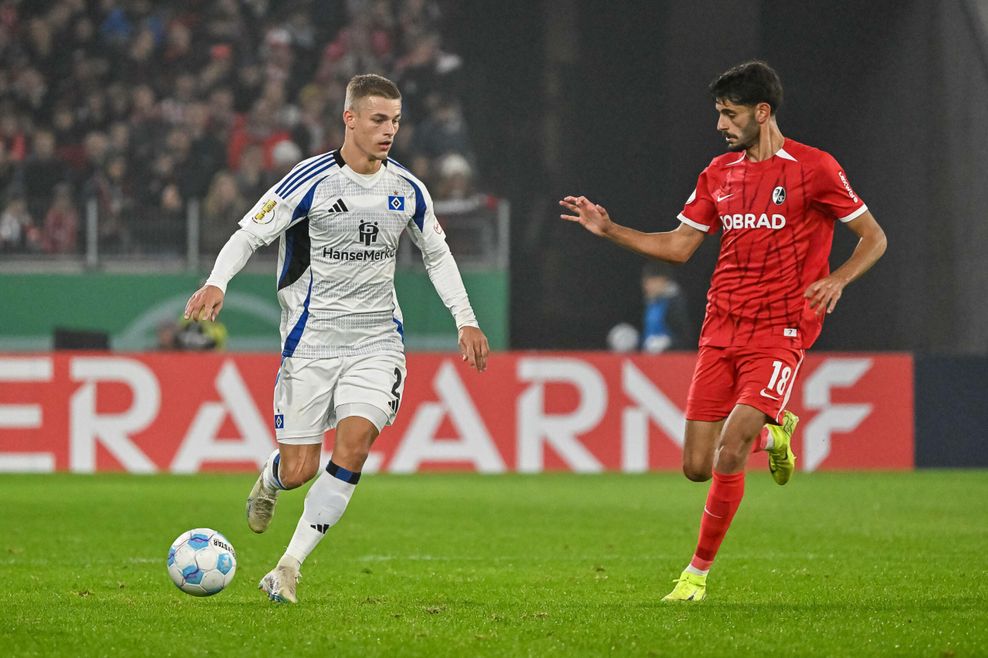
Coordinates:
[749,84]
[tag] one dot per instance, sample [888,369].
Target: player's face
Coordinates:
[372,125]
[737,124]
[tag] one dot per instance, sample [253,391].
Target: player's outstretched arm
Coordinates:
[205,303]
[824,293]
[676,246]
[474,347]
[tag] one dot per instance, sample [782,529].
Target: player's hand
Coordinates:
[589,215]
[474,348]
[205,304]
[823,294]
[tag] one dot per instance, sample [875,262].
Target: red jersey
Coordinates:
[777,218]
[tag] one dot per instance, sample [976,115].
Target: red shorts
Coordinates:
[760,377]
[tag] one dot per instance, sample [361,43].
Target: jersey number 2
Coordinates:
[395,392]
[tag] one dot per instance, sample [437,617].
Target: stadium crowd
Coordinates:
[145,106]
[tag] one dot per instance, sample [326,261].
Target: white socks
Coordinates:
[699,572]
[268,476]
[324,506]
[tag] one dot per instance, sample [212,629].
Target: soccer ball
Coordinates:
[201,562]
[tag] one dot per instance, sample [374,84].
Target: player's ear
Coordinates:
[763,112]
[349,119]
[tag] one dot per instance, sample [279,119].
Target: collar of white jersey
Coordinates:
[364,180]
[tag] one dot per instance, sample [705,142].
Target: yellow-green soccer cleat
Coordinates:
[689,587]
[781,459]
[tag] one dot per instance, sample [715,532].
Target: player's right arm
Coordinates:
[676,246]
[205,303]
[286,203]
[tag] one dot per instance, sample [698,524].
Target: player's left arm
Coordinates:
[445,277]
[824,293]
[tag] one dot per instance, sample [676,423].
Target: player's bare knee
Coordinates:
[733,455]
[351,457]
[697,472]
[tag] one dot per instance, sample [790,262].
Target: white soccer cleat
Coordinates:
[280,583]
[260,505]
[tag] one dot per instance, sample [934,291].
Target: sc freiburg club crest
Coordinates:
[779,195]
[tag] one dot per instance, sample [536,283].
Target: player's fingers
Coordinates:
[472,358]
[466,349]
[569,218]
[833,302]
[482,351]
[192,304]
[216,310]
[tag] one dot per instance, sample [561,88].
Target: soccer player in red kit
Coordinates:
[776,202]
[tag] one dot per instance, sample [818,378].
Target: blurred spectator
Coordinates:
[259,128]
[205,148]
[455,178]
[164,227]
[250,175]
[12,133]
[285,155]
[623,338]
[444,131]
[192,336]
[223,208]
[141,103]
[61,226]
[17,230]
[8,173]
[424,71]
[41,172]
[665,323]
[113,192]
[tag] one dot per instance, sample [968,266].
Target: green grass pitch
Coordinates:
[834,564]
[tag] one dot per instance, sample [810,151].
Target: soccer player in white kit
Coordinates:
[339,217]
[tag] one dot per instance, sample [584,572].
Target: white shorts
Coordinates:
[312,395]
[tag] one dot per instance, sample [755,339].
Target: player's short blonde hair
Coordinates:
[369,84]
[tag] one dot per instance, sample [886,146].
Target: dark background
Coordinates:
[609,100]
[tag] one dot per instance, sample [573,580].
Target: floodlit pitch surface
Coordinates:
[851,564]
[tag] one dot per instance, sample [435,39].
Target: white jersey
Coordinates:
[339,233]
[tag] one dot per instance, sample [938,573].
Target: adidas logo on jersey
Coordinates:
[339,206]
[320,527]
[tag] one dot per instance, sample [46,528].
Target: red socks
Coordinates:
[760,441]
[723,501]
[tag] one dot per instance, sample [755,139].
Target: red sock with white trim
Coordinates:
[762,442]
[723,501]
